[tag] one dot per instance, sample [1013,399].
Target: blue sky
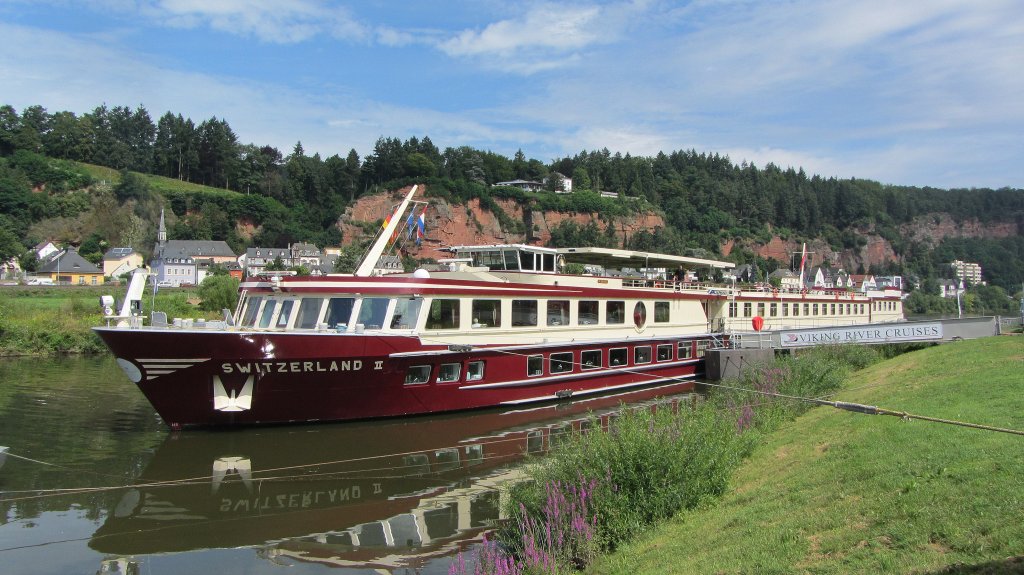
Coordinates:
[925,93]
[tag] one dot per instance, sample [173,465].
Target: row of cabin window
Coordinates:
[337,312]
[809,309]
[446,373]
[512,260]
[486,313]
[564,362]
[444,460]
[883,305]
[560,362]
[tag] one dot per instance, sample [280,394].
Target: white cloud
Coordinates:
[545,37]
[547,27]
[388,36]
[268,20]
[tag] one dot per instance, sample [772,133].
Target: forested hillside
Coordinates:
[270,197]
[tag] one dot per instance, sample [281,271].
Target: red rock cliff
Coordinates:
[454,224]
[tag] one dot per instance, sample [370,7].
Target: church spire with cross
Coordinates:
[161,234]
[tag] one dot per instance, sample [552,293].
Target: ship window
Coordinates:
[372,312]
[526,261]
[474,371]
[447,459]
[407,311]
[511,261]
[833,309]
[444,314]
[685,350]
[449,372]
[491,260]
[474,455]
[815,308]
[487,313]
[286,313]
[535,365]
[417,374]
[617,356]
[702,346]
[615,312]
[760,309]
[591,359]
[747,309]
[561,362]
[558,312]
[796,309]
[840,309]
[249,319]
[661,312]
[665,352]
[807,308]
[268,313]
[639,314]
[524,312]
[773,309]
[549,262]
[559,434]
[309,312]
[339,312]
[588,312]
[642,354]
[732,309]
[534,441]
[416,464]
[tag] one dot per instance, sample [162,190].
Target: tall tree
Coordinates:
[35,125]
[68,137]
[218,153]
[10,125]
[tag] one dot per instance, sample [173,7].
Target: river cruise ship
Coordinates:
[498,325]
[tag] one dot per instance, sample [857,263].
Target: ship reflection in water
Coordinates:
[380,494]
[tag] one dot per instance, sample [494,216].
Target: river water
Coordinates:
[92,481]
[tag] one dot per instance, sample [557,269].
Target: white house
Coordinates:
[949,288]
[45,250]
[118,261]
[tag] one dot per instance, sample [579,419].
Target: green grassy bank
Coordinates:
[59,319]
[840,492]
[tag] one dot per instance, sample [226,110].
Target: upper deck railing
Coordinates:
[707,288]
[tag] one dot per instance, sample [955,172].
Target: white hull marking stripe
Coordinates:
[155,367]
[588,373]
[592,391]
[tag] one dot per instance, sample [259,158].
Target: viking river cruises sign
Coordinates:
[894,333]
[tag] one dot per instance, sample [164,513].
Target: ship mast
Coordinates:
[377,249]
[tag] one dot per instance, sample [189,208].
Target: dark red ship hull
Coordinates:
[223,378]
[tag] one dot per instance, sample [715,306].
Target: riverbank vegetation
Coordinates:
[59,319]
[749,483]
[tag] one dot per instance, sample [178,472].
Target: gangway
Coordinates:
[760,346]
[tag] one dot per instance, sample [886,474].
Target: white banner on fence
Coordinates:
[894,333]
